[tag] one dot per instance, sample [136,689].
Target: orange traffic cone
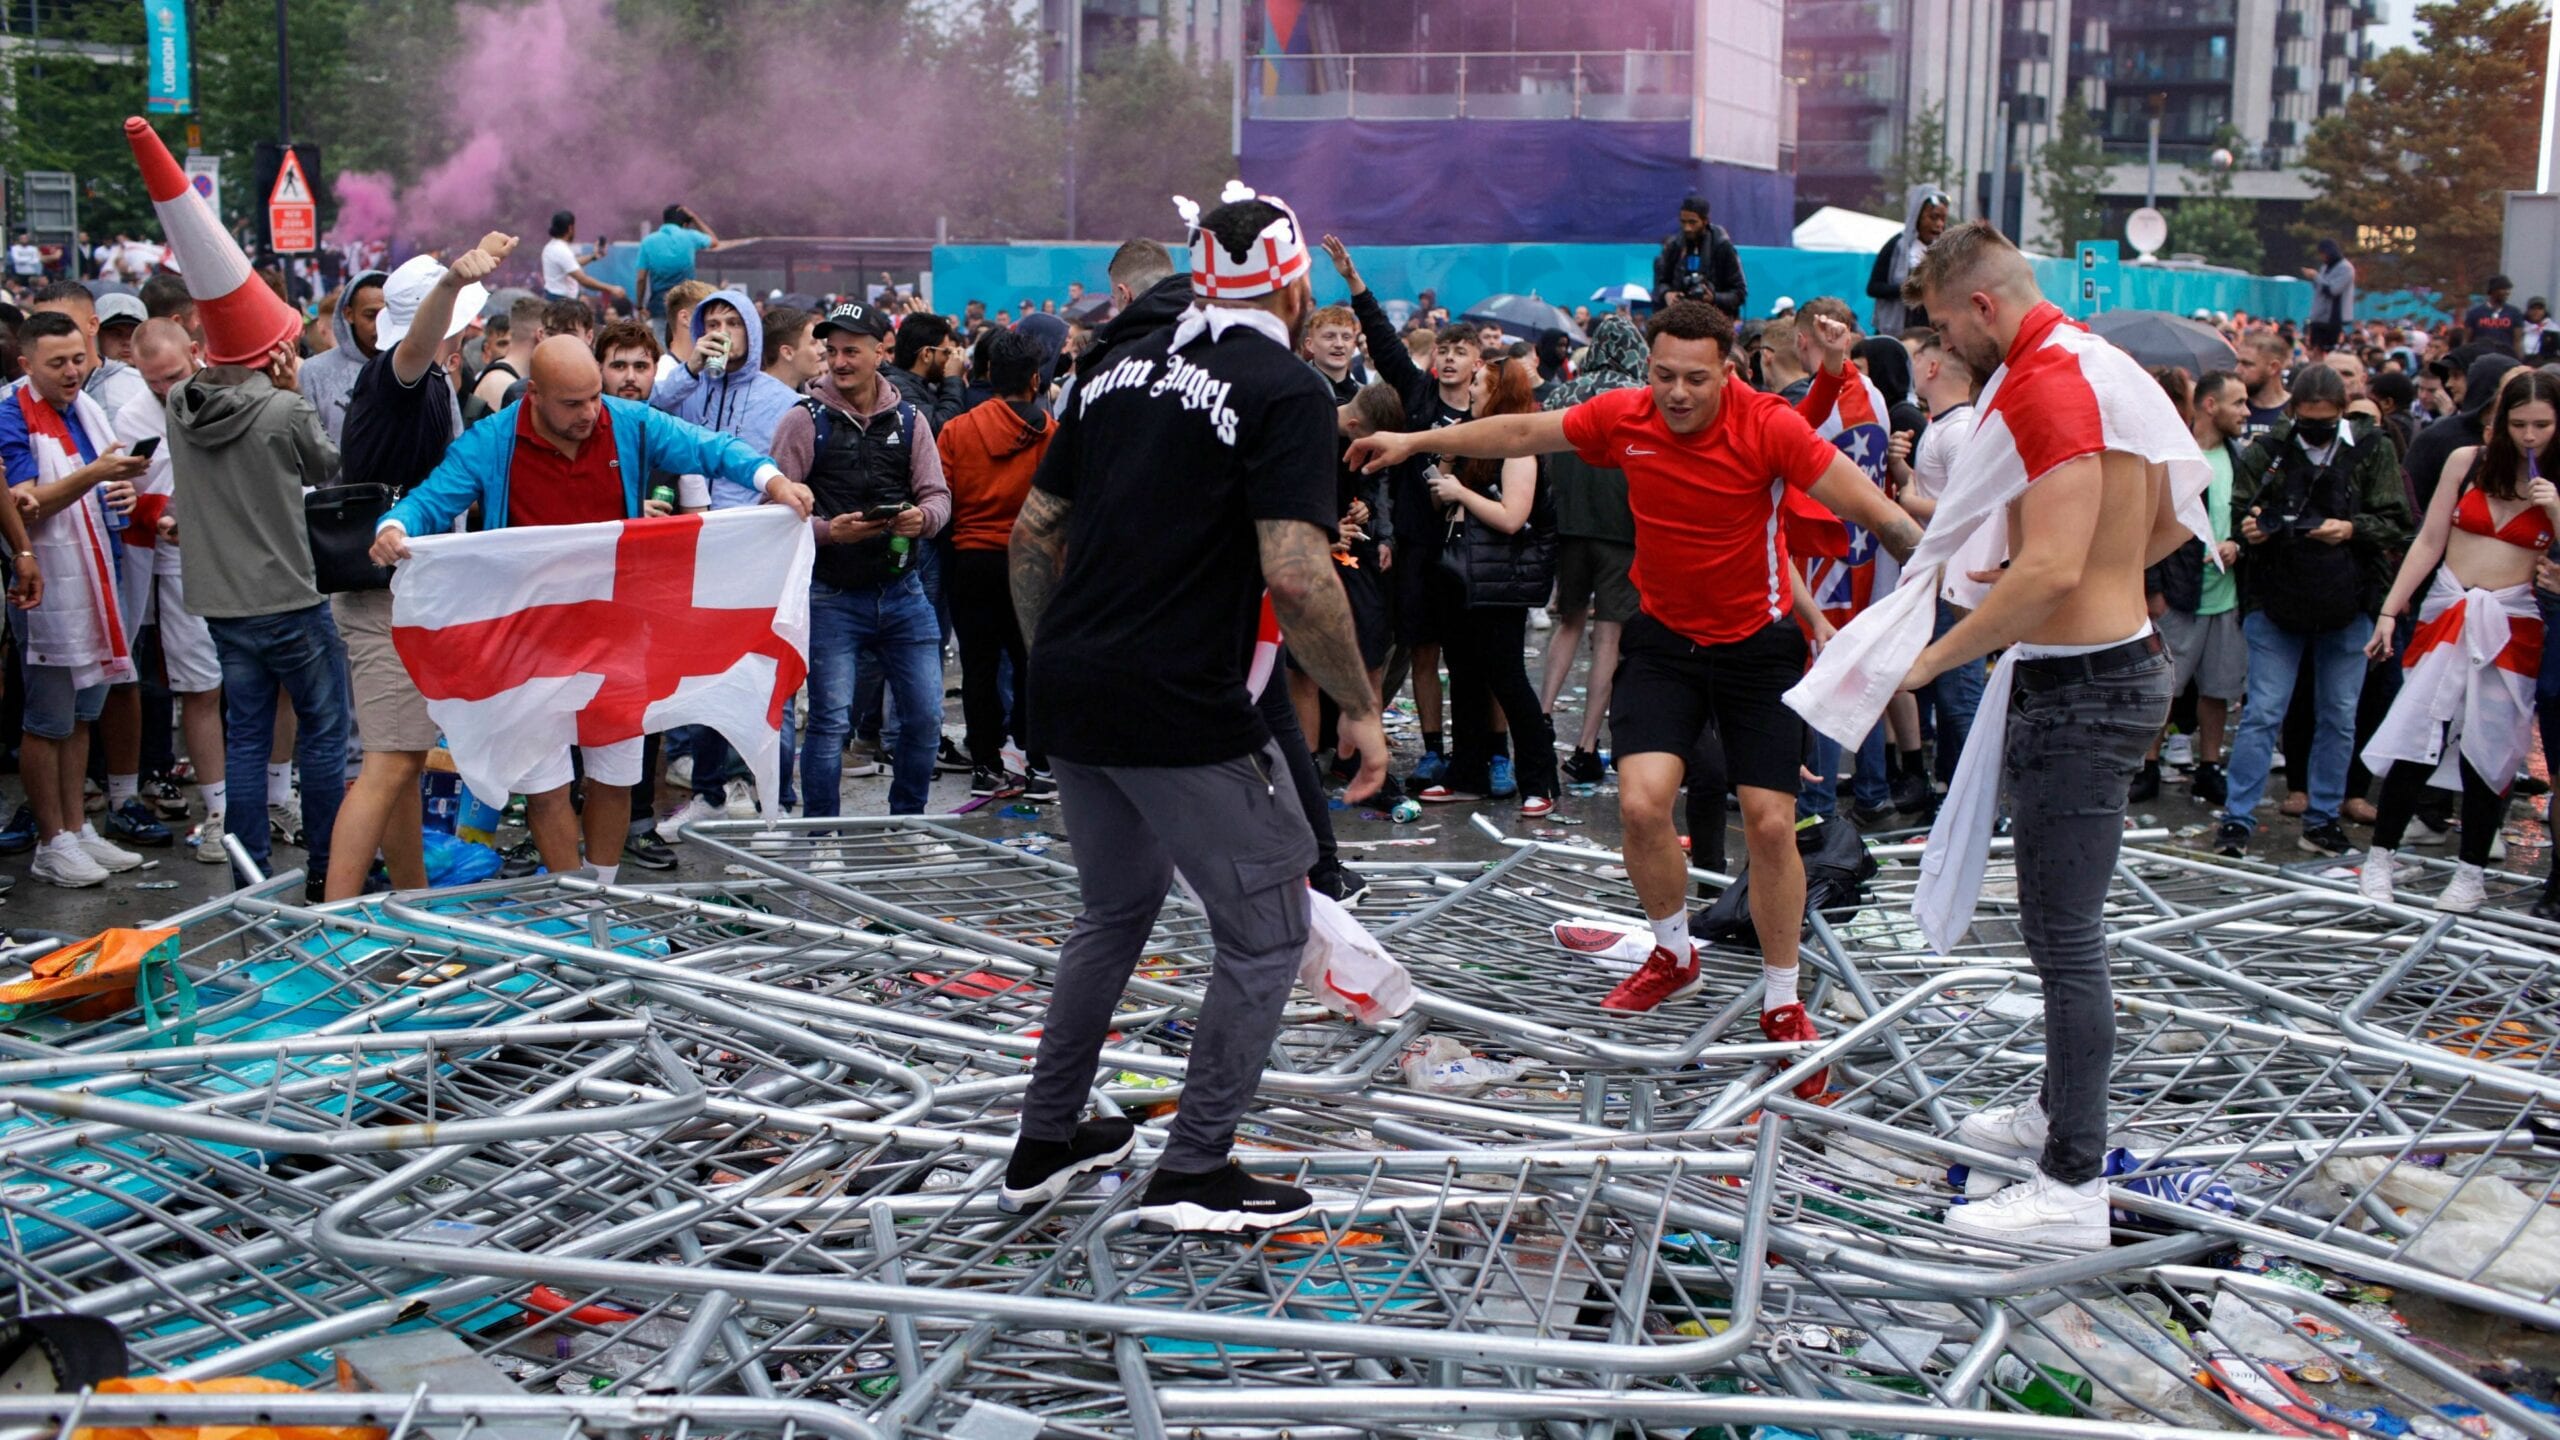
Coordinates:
[244,321]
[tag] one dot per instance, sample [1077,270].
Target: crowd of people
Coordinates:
[1193,531]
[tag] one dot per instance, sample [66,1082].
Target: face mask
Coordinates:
[2317,434]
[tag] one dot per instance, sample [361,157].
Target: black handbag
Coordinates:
[340,520]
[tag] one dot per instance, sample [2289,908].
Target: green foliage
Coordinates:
[1922,160]
[1150,126]
[2214,223]
[2412,173]
[2069,175]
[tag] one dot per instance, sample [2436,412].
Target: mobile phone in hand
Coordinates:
[144,449]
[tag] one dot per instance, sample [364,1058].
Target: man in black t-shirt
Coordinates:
[1193,469]
[2497,322]
[401,416]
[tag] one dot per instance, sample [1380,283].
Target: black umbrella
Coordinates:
[1525,317]
[1089,308]
[2156,337]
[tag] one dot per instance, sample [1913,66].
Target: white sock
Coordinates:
[1777,987]
[121,788]
[211,795]
[605,873]
[1672,934]
[2089,1189]
[279,779]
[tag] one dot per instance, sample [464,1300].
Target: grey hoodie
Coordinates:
[330,377]
[243,454]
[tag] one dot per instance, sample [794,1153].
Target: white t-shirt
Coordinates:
[1934,458]
[559,259]
[26,260]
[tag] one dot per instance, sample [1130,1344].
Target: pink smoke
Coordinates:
[606,117]
[368,207]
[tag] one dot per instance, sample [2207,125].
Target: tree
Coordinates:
[2211,221]
[1922,160]
[1150,126]
[2070,179]
[2412,173]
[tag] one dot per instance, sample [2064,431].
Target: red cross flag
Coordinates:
[527,641]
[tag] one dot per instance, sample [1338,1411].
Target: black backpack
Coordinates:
[2304,586]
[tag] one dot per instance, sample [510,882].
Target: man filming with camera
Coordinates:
[2320,515]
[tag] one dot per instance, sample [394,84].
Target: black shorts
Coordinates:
[1367,596]
[1670,690]
[1597,575]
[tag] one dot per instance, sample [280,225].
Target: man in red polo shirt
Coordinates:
[1708,460]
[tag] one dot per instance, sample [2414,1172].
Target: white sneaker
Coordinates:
[680,770]
[2497,847]
[109,855]
[2373,878]
[2039,1210]
[284,814]
[62,862]
[696,811]
[2468,892]
[2017,1131]
[209,841]
[1540,620]
[742,801]
[2422,833]
[2178,752]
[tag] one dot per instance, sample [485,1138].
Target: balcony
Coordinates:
[1821,158]
[1848,90]
[1836,21]
[2028,109]
[2373,12]
[2029,45]
[2139,70]
[2288,25]
[1477,85]
[2178,15]
[2280,134]
[2287,80]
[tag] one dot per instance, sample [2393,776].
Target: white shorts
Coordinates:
[149,592]
[617,764]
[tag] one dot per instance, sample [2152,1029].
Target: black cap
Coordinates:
[853,319]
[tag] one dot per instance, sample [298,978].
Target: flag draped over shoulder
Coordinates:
[2062,394]
[527,641]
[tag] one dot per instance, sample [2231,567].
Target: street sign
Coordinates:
[204,176]
[2099,275]
[293,213]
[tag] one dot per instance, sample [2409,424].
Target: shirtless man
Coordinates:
[2092,686]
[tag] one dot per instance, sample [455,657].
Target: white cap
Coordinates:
[1786,306]
[407,289]
[120,309]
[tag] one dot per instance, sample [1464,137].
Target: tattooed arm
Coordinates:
[1315,616]
[1037,553]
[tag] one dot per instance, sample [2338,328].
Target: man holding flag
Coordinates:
[565,455]
[2095,478]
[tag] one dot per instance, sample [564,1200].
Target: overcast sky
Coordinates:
[2400,29]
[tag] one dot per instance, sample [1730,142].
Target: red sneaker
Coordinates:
[1661,978]
[1789,1022]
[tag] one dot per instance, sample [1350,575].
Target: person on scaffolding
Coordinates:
[1191,471]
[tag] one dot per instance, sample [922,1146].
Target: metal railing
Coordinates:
[1473,84]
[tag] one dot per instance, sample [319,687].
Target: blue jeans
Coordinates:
[932,558]
[892,626]
[2275,657]
[1870,785]
[296,654]
[1954,696]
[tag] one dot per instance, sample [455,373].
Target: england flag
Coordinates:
[527,641]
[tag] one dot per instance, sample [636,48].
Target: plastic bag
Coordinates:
[2476,1225]
[1438,1065]
[1347,970]
[452,861]
[110,971]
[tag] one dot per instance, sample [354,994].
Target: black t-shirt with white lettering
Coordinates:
[1167,461]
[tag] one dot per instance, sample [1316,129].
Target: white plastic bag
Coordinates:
[1438,1065]
[1347,970]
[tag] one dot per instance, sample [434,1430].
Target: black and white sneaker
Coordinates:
[644,849]
[1041,1170]
[2330,839]
[986,782]
[1224,1201]
[950,761]
[2232,839]
[1339,883]
[1039,787]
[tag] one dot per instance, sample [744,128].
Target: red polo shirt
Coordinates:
[1711,551]
[545,487]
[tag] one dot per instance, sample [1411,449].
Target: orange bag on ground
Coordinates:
[109,970]
[235,1385]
